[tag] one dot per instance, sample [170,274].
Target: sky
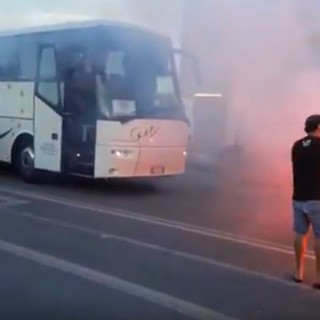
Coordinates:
[149,13]
[35,11]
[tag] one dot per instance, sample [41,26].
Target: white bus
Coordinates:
[95,99]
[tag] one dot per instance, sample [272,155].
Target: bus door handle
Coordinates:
[54,136]
[67,114]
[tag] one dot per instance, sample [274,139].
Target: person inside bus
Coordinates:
[84,86]
[81,100]
[141,82]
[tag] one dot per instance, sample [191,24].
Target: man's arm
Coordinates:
[293,152]
[84,83]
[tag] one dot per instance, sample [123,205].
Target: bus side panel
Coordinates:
[9,132]
[47,137]
[16,99]
[16,114]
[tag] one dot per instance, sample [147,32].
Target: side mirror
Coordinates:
[194,63]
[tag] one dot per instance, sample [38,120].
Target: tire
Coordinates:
[25,164]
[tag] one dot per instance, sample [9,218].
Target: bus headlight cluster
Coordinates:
[122,154]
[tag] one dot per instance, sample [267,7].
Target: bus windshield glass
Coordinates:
[125,77]
[136,84]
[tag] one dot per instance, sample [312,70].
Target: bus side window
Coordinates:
[28,61]
[9,60]
[48,82]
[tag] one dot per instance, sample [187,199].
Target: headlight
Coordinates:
[122,154]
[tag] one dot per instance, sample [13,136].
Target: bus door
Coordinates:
[48,116]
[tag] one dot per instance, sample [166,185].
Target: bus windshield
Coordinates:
[137,84]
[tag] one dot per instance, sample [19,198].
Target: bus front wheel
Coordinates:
[25,164]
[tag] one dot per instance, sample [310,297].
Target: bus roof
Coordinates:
[75,26]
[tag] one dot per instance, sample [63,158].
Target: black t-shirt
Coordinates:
[305,158]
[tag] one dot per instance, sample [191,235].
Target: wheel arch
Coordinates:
[22,139]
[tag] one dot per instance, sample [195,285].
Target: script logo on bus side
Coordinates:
[138,134]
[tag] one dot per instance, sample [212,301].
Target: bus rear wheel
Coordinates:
[25,163]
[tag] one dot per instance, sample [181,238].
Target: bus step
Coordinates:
[86,164]
[81,175]
[85,169]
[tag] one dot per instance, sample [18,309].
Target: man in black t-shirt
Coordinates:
[305,156]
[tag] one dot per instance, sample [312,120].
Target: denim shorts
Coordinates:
[306,214]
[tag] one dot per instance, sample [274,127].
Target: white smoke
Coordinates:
[274,84]
[160,16]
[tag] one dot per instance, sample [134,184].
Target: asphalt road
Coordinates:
[191,247]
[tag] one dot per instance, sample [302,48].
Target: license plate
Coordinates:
[157,170]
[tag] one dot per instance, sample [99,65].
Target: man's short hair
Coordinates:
[312,123]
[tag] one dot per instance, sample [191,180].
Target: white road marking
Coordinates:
[187,308]
[6,202]
[207,232]
[181,254]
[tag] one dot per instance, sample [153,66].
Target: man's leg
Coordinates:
[314,217]
[317,253]
[300,245]
[301,228]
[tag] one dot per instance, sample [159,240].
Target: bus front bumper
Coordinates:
[123,162]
